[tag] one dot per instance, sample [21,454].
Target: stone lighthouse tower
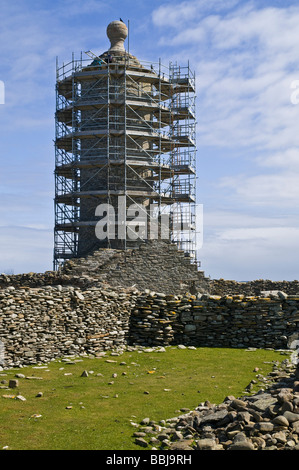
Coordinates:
[125,152]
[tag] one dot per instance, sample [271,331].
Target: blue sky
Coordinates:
[246,57]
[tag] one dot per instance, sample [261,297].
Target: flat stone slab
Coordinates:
[214,417]
[263,403]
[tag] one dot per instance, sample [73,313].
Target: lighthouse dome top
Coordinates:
[117,32]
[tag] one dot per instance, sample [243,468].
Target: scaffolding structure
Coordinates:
[125,138]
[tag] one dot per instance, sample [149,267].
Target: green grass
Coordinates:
[101,413]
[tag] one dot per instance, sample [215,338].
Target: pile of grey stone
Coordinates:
[155,265]
[267,420]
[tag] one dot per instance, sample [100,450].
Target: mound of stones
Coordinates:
[267,420]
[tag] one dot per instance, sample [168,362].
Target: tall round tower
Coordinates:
[125,152]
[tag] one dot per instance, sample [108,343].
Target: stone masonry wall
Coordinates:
[149,296]
[40,324]
[256,287]
[216,321]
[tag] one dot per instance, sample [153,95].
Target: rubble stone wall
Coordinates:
[40,324]
[216,321]
[44,323]
[149,296]
[256,287]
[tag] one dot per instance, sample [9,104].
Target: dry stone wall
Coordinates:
[40,324]
[151,296]
[216,321]
[256,287]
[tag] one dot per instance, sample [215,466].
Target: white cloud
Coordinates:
[283,160]
[178,14]
[25,249]
[245,60]
[224,219]
[168,15]
[276,190]
[241,247]
[72,8]
[272,234]
[245,260]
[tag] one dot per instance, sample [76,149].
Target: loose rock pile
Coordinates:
[267,420]
[156,265]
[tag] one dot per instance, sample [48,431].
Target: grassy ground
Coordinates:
[96,412]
